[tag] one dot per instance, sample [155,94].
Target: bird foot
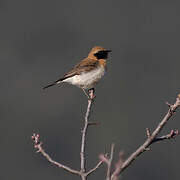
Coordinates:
[91,94]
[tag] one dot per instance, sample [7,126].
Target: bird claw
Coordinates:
[91,94]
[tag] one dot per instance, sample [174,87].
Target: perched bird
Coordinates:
[88,71]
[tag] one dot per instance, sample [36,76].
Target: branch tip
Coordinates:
[172,134]
[104,158]
[121,160]
[39,149]
[169,105]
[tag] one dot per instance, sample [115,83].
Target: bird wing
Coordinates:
[83,66]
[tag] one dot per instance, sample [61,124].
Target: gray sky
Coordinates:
[40,40]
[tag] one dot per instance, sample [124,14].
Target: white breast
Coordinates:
[87,80]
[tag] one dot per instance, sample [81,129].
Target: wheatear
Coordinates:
[88,71]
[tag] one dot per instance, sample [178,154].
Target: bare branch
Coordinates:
[118,165]
[121,165]
[108,161]
[95,168]
[152,138]
[104,158]
[84,132]
[38,146]
[94,123]
[82,172]
[108,177]
[171,135]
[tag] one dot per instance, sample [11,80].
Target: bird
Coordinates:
[87,73]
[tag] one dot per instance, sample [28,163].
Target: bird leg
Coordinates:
[90,94]
[86,93]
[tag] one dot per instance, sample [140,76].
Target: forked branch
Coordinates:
[38,147]
[82,172]
[121,164]
[151,138]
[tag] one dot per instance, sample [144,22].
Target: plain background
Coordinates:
[41,40]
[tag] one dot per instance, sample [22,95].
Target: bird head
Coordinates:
[98,52]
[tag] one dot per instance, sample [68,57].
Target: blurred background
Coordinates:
[40,40]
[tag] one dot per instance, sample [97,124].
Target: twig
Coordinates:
[108,177]
[84,131]
[38,146]
[95,168]
[108,161]
[121,165]
[118,166]
[94,123]
[171,135]
[82,172]
[152,138]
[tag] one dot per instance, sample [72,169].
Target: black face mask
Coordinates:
[101,55]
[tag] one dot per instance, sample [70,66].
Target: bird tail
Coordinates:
[52,84]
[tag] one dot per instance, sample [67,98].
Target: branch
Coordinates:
[82,173]
[171,135]
[108,162]
[151,138]
[108,177]
[38,146]
[118,165]
[84,132]
[95,168]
